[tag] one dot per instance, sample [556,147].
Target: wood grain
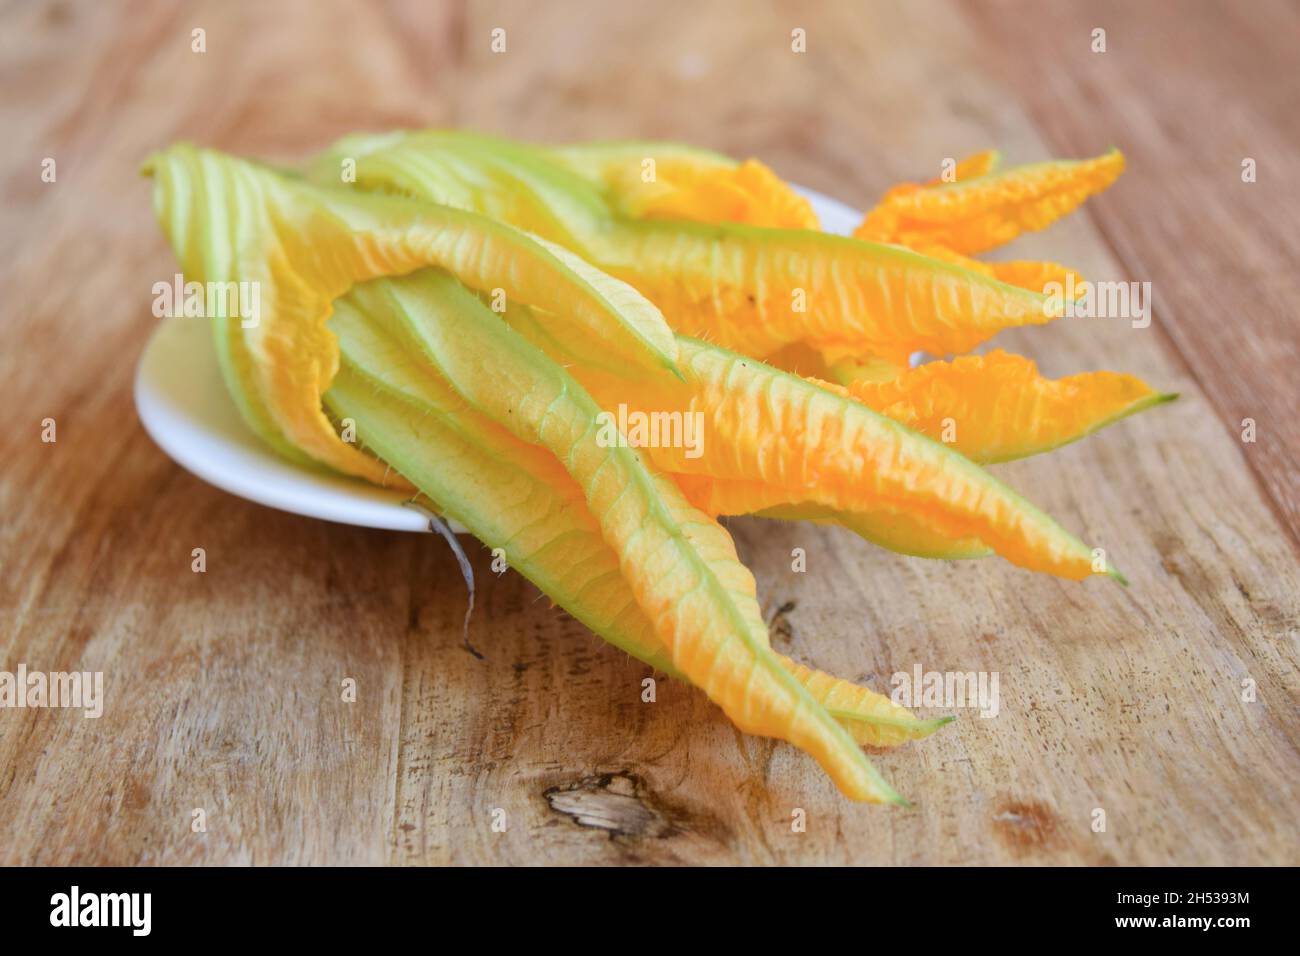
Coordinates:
[224,688]
[1219,252]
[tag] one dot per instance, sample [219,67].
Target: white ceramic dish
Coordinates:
[184,406]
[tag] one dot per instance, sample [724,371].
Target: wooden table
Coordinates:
[223,688]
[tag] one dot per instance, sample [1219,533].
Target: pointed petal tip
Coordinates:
[930,726]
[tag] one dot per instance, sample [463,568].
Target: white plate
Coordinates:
[184,406]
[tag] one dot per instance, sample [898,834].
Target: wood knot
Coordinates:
[618,803]
[778,625]
[1025,826]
